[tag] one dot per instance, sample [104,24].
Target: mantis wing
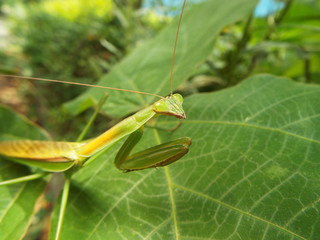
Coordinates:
[47,155]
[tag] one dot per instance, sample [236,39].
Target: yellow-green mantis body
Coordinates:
[61,156]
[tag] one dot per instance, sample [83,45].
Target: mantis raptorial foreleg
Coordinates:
[157,156]
[167,129]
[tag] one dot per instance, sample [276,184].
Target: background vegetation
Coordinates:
[253,169]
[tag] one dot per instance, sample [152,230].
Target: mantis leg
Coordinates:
[23,179]
[169,129]
[157,156]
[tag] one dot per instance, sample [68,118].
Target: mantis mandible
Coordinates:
[68,157]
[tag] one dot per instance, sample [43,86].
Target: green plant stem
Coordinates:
[278,20]
[234,57]
[68,174]
[63,206]
[23,179]
[269,32]
[306,63]
[93,117]
[307,70]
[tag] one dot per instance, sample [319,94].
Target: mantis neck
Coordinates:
[117,132]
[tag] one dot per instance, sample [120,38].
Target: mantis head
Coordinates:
[171,106]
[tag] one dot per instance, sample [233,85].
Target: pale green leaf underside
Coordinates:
[147,68]
[252,173]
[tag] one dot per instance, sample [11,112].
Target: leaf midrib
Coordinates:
[170,190]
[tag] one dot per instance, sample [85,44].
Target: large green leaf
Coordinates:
[147,68]
[17,202]
[253,172]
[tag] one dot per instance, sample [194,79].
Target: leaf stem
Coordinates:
[307,70]
[93,117]
[268,34]
[278,20]
[63,206]
[233,57]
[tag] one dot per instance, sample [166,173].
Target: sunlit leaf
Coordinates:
[252,173]
[148,67]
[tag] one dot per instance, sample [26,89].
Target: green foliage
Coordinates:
[251,173]
[13,123]
[9,64]
[253,168]
[76,40]
[81,11]
[66,32]
[151,62]
[253,164]
[285,44]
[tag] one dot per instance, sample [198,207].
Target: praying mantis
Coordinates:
[69,157]
[61,156]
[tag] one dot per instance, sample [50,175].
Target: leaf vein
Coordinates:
[236,209]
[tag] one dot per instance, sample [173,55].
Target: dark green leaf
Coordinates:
[252,173]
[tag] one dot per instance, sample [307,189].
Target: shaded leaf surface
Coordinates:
[16,127]
[147,68]
[17,201]
[252,173]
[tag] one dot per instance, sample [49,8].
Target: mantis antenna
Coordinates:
[119,89]
[175,44]
[80,84]
[112,88]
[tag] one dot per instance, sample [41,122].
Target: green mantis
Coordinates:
[61,156]
[68,157]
